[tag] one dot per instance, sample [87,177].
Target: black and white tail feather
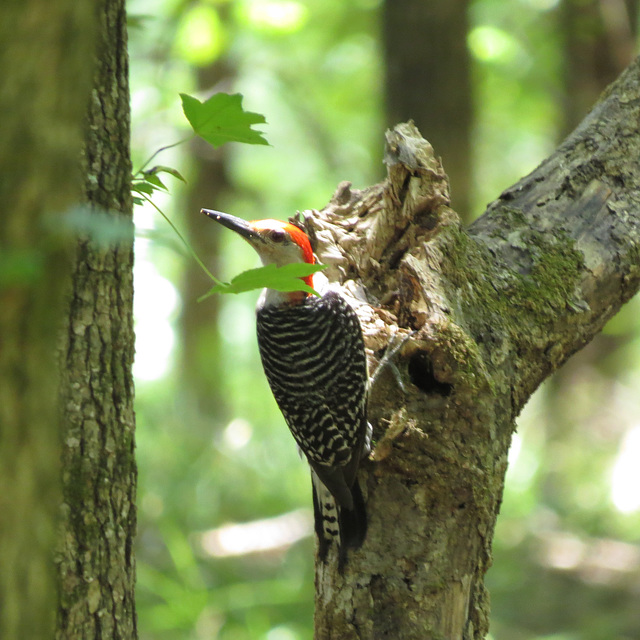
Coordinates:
[342,524]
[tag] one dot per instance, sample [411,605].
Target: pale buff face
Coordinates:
[274,243]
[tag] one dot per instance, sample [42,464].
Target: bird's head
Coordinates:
[276,242]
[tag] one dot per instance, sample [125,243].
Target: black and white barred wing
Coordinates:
[313,356]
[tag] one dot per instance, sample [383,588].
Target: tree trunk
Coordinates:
[428,80]
[45,59]
[96,563]
[599,41]
[496,309]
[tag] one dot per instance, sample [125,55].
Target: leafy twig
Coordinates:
[157,151]
[186,244]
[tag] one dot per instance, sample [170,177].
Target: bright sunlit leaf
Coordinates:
[200,38]
[491,44]
[221,119]
[279,15]
[285,278]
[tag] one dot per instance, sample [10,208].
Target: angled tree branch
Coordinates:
[496,309]
[575,219]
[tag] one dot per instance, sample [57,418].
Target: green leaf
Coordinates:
[153,179]
[221,119]
[143,186]
[160,168]
[286,278]
[150,182]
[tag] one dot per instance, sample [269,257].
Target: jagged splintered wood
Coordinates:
[497,308]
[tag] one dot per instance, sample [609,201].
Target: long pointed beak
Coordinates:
[240,226]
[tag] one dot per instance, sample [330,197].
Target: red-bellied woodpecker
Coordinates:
[313,356]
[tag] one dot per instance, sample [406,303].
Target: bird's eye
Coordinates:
[277,235]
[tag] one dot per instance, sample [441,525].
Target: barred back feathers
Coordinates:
[314,359]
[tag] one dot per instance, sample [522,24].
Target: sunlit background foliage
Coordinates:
[225,547]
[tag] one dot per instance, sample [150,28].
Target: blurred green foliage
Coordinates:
[567,558]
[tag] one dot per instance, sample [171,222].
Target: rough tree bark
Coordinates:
[95,560]
[496,309]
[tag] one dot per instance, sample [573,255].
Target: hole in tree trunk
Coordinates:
[422,376]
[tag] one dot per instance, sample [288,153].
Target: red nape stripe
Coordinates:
[301,239]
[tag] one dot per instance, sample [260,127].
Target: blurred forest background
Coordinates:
[225,547]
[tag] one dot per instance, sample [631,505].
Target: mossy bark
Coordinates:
[495,308]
